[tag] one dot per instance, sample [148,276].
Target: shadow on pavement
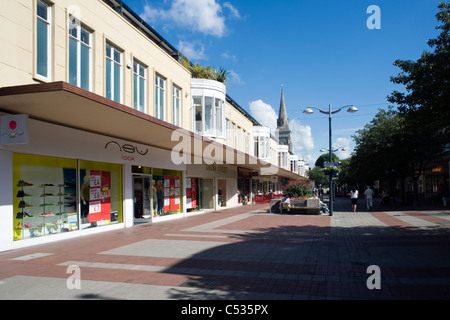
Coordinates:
[316,261]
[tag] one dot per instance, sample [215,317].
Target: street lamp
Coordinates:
[308,111]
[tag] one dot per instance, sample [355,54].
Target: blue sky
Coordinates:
[320,51]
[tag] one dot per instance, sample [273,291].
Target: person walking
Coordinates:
[354,198]
[369,197]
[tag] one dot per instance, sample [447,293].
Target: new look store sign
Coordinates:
[14,129]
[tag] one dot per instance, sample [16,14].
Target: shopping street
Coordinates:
[245,253]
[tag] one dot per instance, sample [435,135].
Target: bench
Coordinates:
[302,206]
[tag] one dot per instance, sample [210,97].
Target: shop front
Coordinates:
[211,187]
[66,183]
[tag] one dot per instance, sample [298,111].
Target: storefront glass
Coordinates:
[167,193]
[47,201]
[100,194]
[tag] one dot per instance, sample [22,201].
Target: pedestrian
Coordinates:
[354,198]
[369,197]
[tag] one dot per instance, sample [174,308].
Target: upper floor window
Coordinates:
[43,39]
[208,116]
[160,92]
[114,73]
[80,55]
[139,86]
[176,106]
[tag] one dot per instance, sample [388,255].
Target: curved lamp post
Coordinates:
[308,111]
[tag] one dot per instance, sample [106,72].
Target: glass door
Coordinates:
[142,198]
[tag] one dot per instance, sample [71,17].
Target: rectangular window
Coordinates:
[160,92]
[219,117]
[233,135]
[198,114]
[114,74]
[80,55]
[209,116]
[43,40]
[228,133]
[140,87]
[176,106]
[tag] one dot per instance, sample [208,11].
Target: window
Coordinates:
[233,135]
[198,110]
[160,103]
[228,129]
[209,116]
[176,105]
[140,87]
[114,74]
[80,55]
[219,117]
[43,40]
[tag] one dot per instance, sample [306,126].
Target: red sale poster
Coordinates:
[100,196]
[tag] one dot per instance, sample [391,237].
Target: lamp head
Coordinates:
[308,111]
[352,109]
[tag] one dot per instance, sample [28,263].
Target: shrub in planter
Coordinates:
[298,189]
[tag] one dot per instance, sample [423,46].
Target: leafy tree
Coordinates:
[317,175]
[325,158]
[427,83]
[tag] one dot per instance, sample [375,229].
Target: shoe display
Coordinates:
[47,195]
[23,183]
[23,204]
[22,194]
[46,185]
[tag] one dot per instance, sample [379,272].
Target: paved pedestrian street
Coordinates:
[245,253]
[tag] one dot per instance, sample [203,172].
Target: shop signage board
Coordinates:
[14,129]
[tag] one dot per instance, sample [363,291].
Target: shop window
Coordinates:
[167,192]
[45,196]
[47,199]
[100,194]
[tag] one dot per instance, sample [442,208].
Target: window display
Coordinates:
[166,192]
[46,196]
[100,194]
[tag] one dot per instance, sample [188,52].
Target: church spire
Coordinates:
[282,115]
[283,131]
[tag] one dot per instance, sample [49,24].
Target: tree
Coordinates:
[425,106]
[317,175]
[320,162]
[427,83]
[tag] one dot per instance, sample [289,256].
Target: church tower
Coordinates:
[283,131]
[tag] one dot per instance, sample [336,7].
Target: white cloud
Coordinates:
[204,16]
[264,114]
[235,13]
[302,139]
[234,77]
[343,143]
[193,51]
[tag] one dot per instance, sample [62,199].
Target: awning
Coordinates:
[67,105]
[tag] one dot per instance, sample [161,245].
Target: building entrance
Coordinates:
[142,197]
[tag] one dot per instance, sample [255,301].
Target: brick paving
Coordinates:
[246,253]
